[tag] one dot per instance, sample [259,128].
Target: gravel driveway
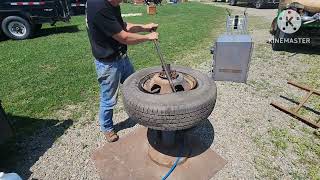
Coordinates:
[244,122]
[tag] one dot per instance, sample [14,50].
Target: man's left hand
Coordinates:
[151,27]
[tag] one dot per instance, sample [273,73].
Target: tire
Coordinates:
[279,46]
[169,112]
[275,6]
[147,2]
[233,2]
[8,27]
[259,4]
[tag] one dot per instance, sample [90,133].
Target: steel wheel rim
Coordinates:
[258,4]
[17,29]
[154,84]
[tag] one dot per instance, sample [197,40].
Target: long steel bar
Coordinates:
[304,100]
[313,124]
[164,67]
[304,88]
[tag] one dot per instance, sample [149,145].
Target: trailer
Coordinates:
[256,3]
[20,19]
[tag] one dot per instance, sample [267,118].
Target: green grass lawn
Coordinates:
[42,75]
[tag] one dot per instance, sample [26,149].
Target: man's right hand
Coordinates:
[153,36]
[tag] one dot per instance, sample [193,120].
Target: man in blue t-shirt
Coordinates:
[109,36]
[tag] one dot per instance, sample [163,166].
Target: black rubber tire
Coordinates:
[147,2]
[170,112]
[279,46]
[259,4]
[233,2]
[7,20]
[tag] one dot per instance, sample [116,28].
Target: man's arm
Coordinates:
[135,28]
[133,38]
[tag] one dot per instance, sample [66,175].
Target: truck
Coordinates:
[20,19]
[78,7]
[309,31]
[256,3]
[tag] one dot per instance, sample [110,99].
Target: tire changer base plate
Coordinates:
[128,159]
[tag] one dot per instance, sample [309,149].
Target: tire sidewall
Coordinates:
[276,46]
[280,46]
[233,2]
[258,4]
[10,19]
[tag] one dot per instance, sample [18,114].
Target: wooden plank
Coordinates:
[304,88]
[303,119]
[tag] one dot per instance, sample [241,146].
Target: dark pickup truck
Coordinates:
[19,19]
[78,7]
[256,3]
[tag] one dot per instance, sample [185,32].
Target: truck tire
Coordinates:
[259,4]
[233,2]
[279,46]
[169,112]
[16,28]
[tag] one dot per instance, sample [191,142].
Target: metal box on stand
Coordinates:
[232,51]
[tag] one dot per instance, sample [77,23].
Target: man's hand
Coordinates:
[153,36]
[150,27]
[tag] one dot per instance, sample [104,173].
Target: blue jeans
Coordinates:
[110,75]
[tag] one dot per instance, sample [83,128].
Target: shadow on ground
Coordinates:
[188,143]
[304,106]
[48,32]
[56,30]
[2,37]
[128,123]
[304,49]
[33,137]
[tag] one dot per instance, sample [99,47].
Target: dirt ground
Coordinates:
[257,140]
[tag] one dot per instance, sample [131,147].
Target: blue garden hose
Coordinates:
[171,169]
[174,165]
